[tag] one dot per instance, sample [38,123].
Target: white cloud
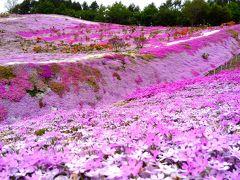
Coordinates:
[140,3]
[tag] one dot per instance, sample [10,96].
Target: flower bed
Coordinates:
[187,129]
[44,67]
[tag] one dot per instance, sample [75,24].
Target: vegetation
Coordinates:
[117,43]
[170,13]
[40,132]
[6,72]
[57,87]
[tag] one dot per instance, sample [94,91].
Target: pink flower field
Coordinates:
[88,100]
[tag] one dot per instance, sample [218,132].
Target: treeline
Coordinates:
[170,13]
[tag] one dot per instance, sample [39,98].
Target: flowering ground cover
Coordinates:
[185,129]
[51,62]
[34,38]
[84,100]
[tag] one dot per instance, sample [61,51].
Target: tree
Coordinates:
[25,7]
[118,13]
[219,15]
[170,13]
[10,4]
[45,7]
[196,11]
[94,6]
[135,15]
[149,15]
[177,4]
[101,15]
[61,9]
[168,4]
[85,6]
[133,8]
[167,17]
[76,6]
[234,8]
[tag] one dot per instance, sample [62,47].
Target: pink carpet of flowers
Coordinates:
[52,62]
[187,129]
[84,100]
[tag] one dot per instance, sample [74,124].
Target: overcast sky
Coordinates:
[140,3]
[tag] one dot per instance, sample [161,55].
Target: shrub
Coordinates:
[233,33]
[6,72]
[117,43]
[55,68]
[139,41]
[40,132]
[38,49]
[3,15]
[93,84]
[57,87]
[34,92]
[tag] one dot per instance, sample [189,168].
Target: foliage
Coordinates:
[118,13]
[40,132]
[170,13]
[117,43]
[34,92]
[57,87]
[6,72]
[139,41]
[219,14]
[93,84]
[196,11]
[3,15]
[149,15]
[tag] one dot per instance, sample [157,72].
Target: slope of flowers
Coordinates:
[187,129]
[50,62]
[34,38]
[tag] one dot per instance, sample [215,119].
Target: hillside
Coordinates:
[82,100]
[186,129]
[51,62]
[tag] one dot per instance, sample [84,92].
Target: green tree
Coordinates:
[94,6]
[24,8]
[219,15]
[167,17]
[45,7]
[133,8]
[135,14]
[85,6]
[61,9]
[101,15]
[118,13]
[196,12]
[170,13]
[76,6]
[234,8]
[149,15]
[87,15]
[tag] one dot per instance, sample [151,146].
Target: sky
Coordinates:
[140,3]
